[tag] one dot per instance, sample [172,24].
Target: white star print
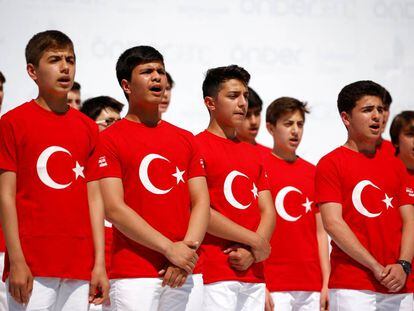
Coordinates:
[78,170]
[307,205]
[387,201]
[254,191]
[179,175]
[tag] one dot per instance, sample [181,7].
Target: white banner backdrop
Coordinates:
[308,49]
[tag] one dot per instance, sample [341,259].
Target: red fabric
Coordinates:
[294,262]
[2,242]
[264,151]
[221,157]
[54,224]
[121,151]
[386,148]
[337,176]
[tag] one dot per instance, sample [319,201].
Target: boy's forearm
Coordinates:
[200,210]
[349,243]
[97,215]
[222,227]
[137,229]
[267,215]
[323,250]
[8,216]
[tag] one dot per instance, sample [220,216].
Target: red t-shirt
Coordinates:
[155,164]
[370,190]
[294,262]
[49,152]
[264,151]
[386,148]
[235,176]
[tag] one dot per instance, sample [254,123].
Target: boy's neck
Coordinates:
[53,103]
[222,131]
[365,147]
[247,140]
[284,155]
[147,114]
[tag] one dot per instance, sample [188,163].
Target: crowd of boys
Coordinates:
[104,213]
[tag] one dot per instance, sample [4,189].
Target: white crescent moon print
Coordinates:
[356,198]
[228,194]
[280,208]
[41,167]
[143,173]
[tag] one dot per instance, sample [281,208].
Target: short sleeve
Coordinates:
[327,182]
[104,161]
[196,164]
[263,180]
[406,194]
[8,146]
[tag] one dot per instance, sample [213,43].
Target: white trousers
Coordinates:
[357,300]
[54,294]
[296,301]
[147,294]
[3,295]
[234,296]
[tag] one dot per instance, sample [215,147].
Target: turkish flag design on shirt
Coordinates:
[48,152]
[370,190]
[294,263]
[155,164]
[235,176]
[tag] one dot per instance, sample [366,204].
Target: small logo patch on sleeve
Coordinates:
[102,161]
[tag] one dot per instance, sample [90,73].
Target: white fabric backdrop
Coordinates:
[307,49]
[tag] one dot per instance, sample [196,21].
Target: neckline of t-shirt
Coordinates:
[160,124]
[222,139]
[296,162]
[49,112]
[360,154]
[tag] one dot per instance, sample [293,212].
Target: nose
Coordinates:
[242,101]
[155,76]
[295,129]
[376,115]
[64,66]
[254,119]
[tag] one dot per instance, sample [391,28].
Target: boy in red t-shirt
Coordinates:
[44,148]
[250,126]
[242,213]
[297,271]
[155,195]
[366,209]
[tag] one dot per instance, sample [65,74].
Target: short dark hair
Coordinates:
[387,99]
[170,80]
[399,122]
[2,78]
[133,57]
[216,76]
[254,100]
[353,92]
[92,107]
[43,41]
[76,86]
[284,105]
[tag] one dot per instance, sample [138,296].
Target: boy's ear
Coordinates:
[345,118]
[210,103]
[270,128]
[126,86]
[31,70]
